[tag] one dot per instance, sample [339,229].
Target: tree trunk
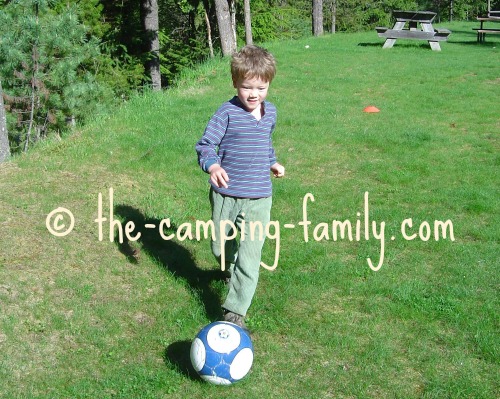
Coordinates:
[232,11]
[34,77]
[248,22]
[333,5]
[4,135]
[228,42]
[149,15]
[209,35]
[317,17]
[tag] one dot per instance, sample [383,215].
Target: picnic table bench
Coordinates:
[482,31]
[413,19]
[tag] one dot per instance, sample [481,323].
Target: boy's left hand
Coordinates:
[278,170]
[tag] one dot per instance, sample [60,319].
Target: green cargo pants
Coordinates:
[242,254]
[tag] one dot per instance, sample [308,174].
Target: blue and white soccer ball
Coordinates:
[222,353]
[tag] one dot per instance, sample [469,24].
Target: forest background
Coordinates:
[63,61]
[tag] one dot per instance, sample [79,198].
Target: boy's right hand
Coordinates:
[218,175]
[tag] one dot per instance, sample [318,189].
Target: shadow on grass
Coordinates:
[463,32]
[401,44]
[476,43]
[178,354]
[172,256]
[377,44]
[177,260]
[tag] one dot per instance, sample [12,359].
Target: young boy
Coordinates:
[236,150]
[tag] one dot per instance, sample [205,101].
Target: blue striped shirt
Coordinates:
[242,145]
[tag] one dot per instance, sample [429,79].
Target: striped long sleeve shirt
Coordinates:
[242,145]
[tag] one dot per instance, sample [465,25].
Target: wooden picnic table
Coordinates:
[413,19]
[482,31]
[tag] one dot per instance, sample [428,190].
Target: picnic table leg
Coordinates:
[399,25]
[480,35]
[427,27]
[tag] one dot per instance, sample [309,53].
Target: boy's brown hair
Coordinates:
[253,62]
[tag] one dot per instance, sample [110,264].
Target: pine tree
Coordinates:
[46,61]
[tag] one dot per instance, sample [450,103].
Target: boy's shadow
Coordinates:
[178,261]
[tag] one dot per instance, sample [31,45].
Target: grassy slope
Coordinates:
[81,318]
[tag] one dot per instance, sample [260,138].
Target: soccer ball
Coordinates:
[222,353]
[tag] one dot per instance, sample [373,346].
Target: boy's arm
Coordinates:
[277,169]
[207,149]
[207,146]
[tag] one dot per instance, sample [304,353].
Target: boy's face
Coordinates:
[251,91]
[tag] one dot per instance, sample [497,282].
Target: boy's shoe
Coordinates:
[237,319]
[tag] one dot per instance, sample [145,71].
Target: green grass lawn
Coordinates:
[81,317]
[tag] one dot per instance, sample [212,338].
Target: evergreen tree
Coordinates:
[46,61]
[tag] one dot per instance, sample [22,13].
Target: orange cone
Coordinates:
[371,108]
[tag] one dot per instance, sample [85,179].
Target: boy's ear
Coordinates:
[235,82]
